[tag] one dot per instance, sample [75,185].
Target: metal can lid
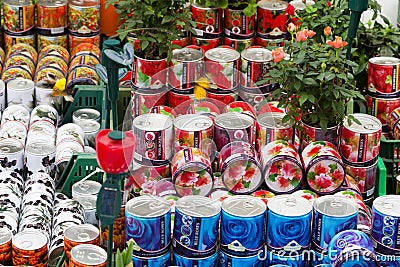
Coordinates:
[10,146]
[187,55]
[233,120]
[244,206]
[52,3]
[152,122]
[20,84]
[289,205]
[273,5]
[198,206]
[335,206]
[369,124]
[273,120]
[147,206]
[86,114]
[388,205]
[89,126]
[192,122]
[87,187]
[222,54]
[81,233]
[87,201]
[5,235]
[257,54]
[40,147]
[88,254]
[385,61]
[29,240]
[18,2]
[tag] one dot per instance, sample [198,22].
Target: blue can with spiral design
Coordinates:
[160,261]
[227,260]
[196,226]
[148,224]
[288,224]
[242,228]
[210,261]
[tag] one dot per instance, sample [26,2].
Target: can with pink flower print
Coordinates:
[363,178]
[191,172]
[323,166]
[283,171]
[271,19]
[309,134]
[307,194]
[240,167]
[149,74]
[241,107]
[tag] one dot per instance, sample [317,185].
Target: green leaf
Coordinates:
[303,98]
[332,167]
[299,76]
[144,44]
[310,81]
[119,260]
[272,177]
[329,76]
[246,184]
[250,10]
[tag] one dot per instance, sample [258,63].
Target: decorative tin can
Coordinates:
[240,107]
[89,205]
[13,73]
[55,50]
[84,188]
[11,155]
[208,21]
[160,261]
[25,49]
[269,42]
[332,214]
[40,156]
[191,172]
[307,194]
[393,118]
[86,114]
[59,39]
[80,234]
[360,144]
[143,101]
[84,59]
[233,126]
[70,131]
[206,44]
[82,74]
[44,112]
[155,133]
[309,134]
[240,167]
[30,248]
[228,260]
[76,40]
[42,130]
[16,112]
[383,80]
[180,101]
[239,44]
[52,17]
[2,96]
[20,60]
[348,239]
[7,220]
[149,74]
[90,128]
[255,99]
[222,97]
[271,19]
[382,108]
[19,16]
[85,49]
[21,91]
[148,220]
[295,259]
[83,17]
[364,178]
[64,152]
[239,214]
[238,25]
[13,129]
[222,67]
[208,261]
[5,246]
[283,171]
[88,255]
[196,225]
[288,224]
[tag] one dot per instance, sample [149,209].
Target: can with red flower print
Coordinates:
[208,21]
[383,76]
[363,178]
[222,67]
[233,126]
[269,42]
[270,127]
[206,108]
[155,135]
[393,118]
[240,167]
[382,108]
[283,171]
[264,195]
[324,168]
[143,101]
[5,246]
[219,97]
[206,43]
[271,19]
[180,101]
[191,172]
[360,143]
[144,179]
[309,134]
[239,44]
[240,107]
[238,25]
[271,106]
[307,194]
[149,74]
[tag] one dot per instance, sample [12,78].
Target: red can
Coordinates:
[186,67]
[222,97]
[238,25]
[272,106]
[208,21]
[206,44]
[272,19]
[382,108]
[52,17]
[181,42]
[255,99]
[363,178]
[143,102]
[239,44]
[241,107]
[393,118]
[269,42]
[5,246]
[383,76]
[149,74]
[179,101]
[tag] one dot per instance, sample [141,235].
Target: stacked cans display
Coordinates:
[30,248]
[85,192]
[20,62]
[11,185]
[53,62]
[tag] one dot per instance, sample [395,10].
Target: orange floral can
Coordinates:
[85,255]
[75,40]
[53,61]
[19,15]
[30,248]
[11,39]
[52,16]
[5,246]
[44,40]
[84,17]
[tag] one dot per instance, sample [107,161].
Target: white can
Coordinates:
[21,92]
[40,157]
[13,129]
[43,97]
[16,113]
[44,112]
[85,188]
[89,204]
[90,128]
[86,114]
[11,155]
[70,132]
[2,95]
[42,130]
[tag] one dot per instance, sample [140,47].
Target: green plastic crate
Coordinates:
[380,179]
[391,161]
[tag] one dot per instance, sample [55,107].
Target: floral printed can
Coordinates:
[206,44]
[52,16]
[16,112]
[82,74]
[271,19]
[85,48]
[44,40]
[238,25]
[228,260]
[21,92]
[55,50]
[46,71]
[393,119]
[382,109]
[75,40]
[180,101]
[145,179]
[383,76]
[331,215]
[283,171]
[11,39]
[309,134]
[25,49]
[182,260]
[143,101]
[360,143]
[19,16]
[239,214]
[240,167]
[255,99]
[191,172]
[53,61]
[84,59]
[264,195]
[5,246]
[148,223]
[149,74]
[269,42]
[30,247]
[241,107]
[364,178]
[239,44]
[204,107]
[208,21]
[17,72]
[85,255]
[83,17]
[307,194]
[161,261]
[68,132]
[324,168]
[43,130]
[20,60]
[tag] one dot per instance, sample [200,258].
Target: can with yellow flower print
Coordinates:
[283,170]
[19,15]
[324,168]
[271,19]
[83,17]
[191,172]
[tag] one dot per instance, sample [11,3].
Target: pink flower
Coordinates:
[288,171]
[310,33]
[201,181]
[283,182]
[149,188]
[236,171]
[323,181]
[320,169]
[328,30]
[291,27]
[338,43]
[338,175]
[188,178]
[301,36]
[278,54]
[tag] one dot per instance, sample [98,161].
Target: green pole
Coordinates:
[357,7]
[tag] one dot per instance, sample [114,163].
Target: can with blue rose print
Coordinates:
[294,259]
[209,261]
[196,226]
[332,214]
[385,230]
[148,223]
[288,224]
[242,227]
[158,261]
[228,260]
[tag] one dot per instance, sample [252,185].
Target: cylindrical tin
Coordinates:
[83,17]
[86,48]
[148,220]
[80,234]
[382,108]
[70,131]
[309,134]
[332,214]
[161,261]
[180,101]
[13,129]
[207,261]
[240,167]
[55,50]
[222,67]
[228,260]
[22,61]
[16,112]
[2,96]
[5,246]
[283,171]
[196,224]
[288,224]
[271,19]
[191,172]
[11,155]
[360,144]
[82,74]
[43,96]
[233,126]
[269,42]
[242,229]
[364,178]
[238,25]
[204,107]
[84,188]
[76,40]
[239,44]
[42,130]
[30,248]
[90,128]
[143,101]
[222,97]
[64,152]
[17,72]
[88,255]
[206,44]
[25,49]
[255,66]
[44,112]
[21,91]
[84,59]
[7,220]
[149,74]
[208,21]
[19,15]
[89,205]
[383,76]
[144,179]
[52,17]
[59,39]
[40,156]
[297,259]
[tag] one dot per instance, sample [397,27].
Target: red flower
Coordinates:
[338,175]
[189,177]
[338,43]
[323,181]
[273,169]
[248,176]
[329,4]
[328,30]
[314,151]
[283,182]
[310,33]
[202,180]
[290,10]
[320,169]
[238,186]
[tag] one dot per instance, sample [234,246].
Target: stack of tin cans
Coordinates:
[51,64]
[11,184]
[20,62]
[30,247]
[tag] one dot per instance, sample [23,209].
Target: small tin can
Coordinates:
[332,214]
[45,40]
[204,107]
[90,128]
[20,60]
[55,50]
[271,19]
[84,114]
[239,44]
[13,73]
[11,39]
[43,96]
[160,261]
[84,49]
[196,217]
[64,152]
[153,73]
[88,255]
[191,172]
[144,179]
[238,25]
[76,40]
[83,17]
[383,76]
[309,134]
[2,96]
[19,15]
[148,212]
[364,178]
[233,126]
[283,170]
[52,16]
[25,49]
[184,260]
[360,144]
[206,44]
[208,21]
[30,247]
[82,75]
[88,203]
[228,260]
[239,214]
[13,129]
[222,66]
[44,112]
[382,108]
[5,246]
[84,188]
[40,156]
[288,224]
[240,167]
[16,112]
[42,130]
[11,155]
[21,91]
[143,101]
[269,42]
[84,59]
[80,234]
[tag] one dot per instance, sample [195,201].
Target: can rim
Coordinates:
[238,198]
[133,203]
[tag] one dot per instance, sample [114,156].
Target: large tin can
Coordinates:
[239,44]
[206,44]
[288,224]
[84,188]
[80,234]
[242,229]
[228,260]
[196,225]
[269,42]
[271,19]
[383,76]
[143,101]
[159,261]
[52,17]
[21,91]
[240,167]
[255,66]
[148,223]
[88,203]
[42,130]
[16,112]
[59,39]
[360,143]
[78,40]
[332,214]
[88,255]
[11,39]
[222,67]
[283,171]
[208,21]
[84,17]
[5,246]
[191,172]
[149,74]
[19,16]
[25,49]
[11,155]
[40,156]
[30,248]
[382,108]
[208,261]
[364,178]
[238,25]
